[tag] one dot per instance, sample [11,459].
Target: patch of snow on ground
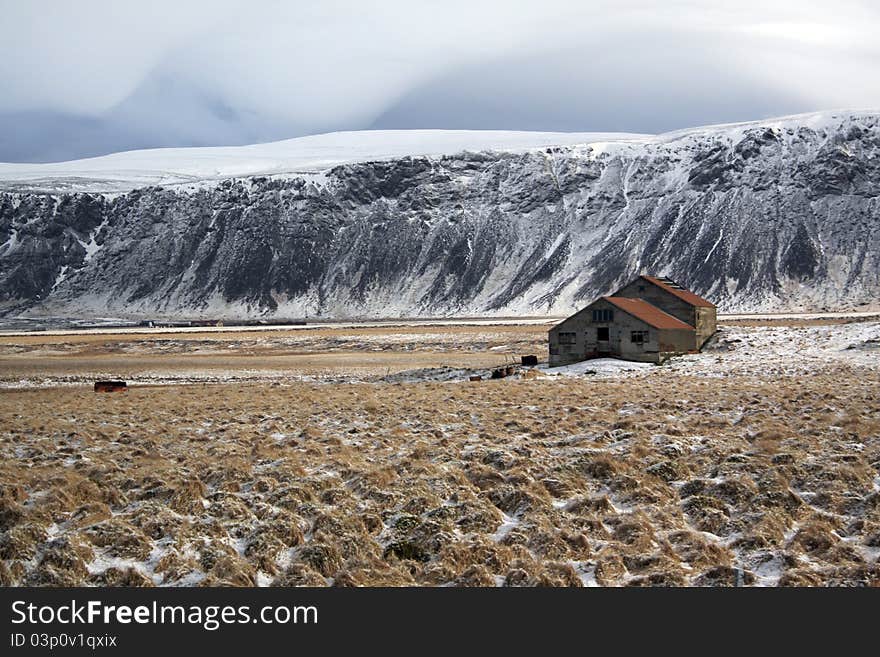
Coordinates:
[506,526]
[586,570]
[768,572]
[782,350]
[597,366]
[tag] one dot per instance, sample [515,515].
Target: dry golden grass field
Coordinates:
[366,457]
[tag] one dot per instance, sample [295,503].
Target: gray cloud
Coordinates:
[635,82]
[96,76]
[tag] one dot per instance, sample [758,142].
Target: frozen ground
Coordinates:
[566,481]
[598,366]
[403,353]
[768,351]
[756,462]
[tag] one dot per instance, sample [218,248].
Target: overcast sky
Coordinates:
[95,76]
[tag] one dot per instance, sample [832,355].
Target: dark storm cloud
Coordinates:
[95,76]
[640,82]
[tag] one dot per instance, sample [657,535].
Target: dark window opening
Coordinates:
[639,337]
[567,338]
[641,288]
[602,334]
[603,315]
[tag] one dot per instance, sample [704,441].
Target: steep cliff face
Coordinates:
[776,215]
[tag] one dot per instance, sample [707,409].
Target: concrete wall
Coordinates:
[677,341]
[660,344]
[706,325]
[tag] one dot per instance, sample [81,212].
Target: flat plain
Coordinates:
[366,456]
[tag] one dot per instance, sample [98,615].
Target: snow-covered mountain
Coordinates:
[780,214]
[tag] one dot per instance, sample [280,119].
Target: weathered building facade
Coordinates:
[647,320]
[672,298]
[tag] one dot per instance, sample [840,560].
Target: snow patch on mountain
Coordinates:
[313,154]
[777,215]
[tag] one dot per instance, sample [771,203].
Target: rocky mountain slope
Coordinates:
[773,215]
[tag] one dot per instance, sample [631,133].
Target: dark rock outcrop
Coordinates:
[776,216]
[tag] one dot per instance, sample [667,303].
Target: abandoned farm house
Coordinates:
[650,319]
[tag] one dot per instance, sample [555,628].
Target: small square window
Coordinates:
[567,338]
[639,337]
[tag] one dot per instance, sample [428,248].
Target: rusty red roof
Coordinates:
[648,313]
[673,288]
